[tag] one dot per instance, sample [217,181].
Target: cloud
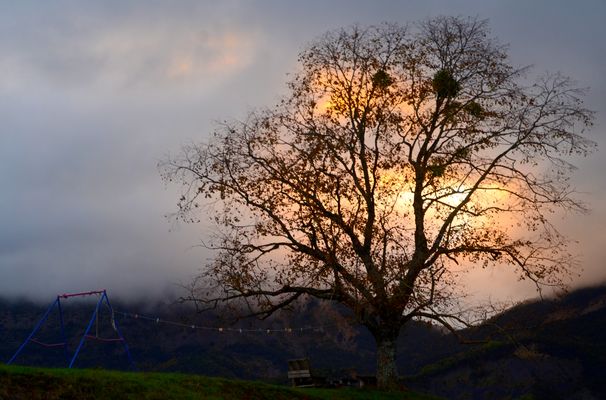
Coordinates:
[87,50]
[93,94]
[161,57]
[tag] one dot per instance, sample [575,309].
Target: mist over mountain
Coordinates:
[93,94]
[553,348]
[215,346]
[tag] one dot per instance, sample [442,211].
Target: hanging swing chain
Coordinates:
[97,324]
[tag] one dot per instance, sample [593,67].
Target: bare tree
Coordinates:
[400,158]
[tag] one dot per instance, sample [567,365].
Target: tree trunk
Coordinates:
[387,371]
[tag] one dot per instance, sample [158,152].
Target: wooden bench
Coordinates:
[299,373]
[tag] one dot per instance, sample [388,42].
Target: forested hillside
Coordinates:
[546,349]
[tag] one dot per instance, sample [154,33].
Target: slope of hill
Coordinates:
[20,383]
[551,349]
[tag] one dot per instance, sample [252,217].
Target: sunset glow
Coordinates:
[371,199]
[114,89]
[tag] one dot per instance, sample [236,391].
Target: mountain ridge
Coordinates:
[526,355]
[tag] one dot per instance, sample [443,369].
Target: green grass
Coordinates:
[363,394]
[480,352]
[43,383]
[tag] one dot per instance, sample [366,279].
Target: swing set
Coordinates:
[94,319]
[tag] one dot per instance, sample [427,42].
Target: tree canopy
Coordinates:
[401,156]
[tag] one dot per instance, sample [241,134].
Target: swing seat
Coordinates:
[100,339]
[43,344]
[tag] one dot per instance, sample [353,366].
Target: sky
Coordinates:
[93,94]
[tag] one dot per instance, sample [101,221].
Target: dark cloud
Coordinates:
[93,94]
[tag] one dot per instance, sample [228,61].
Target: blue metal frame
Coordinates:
[90,323]
[31,335]
[57,303]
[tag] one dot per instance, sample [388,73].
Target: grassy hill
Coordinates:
[44,383]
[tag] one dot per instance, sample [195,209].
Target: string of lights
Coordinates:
[158,320]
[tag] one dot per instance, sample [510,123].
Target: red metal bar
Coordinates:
[66,295]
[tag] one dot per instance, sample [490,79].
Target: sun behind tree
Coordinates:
[397,153]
